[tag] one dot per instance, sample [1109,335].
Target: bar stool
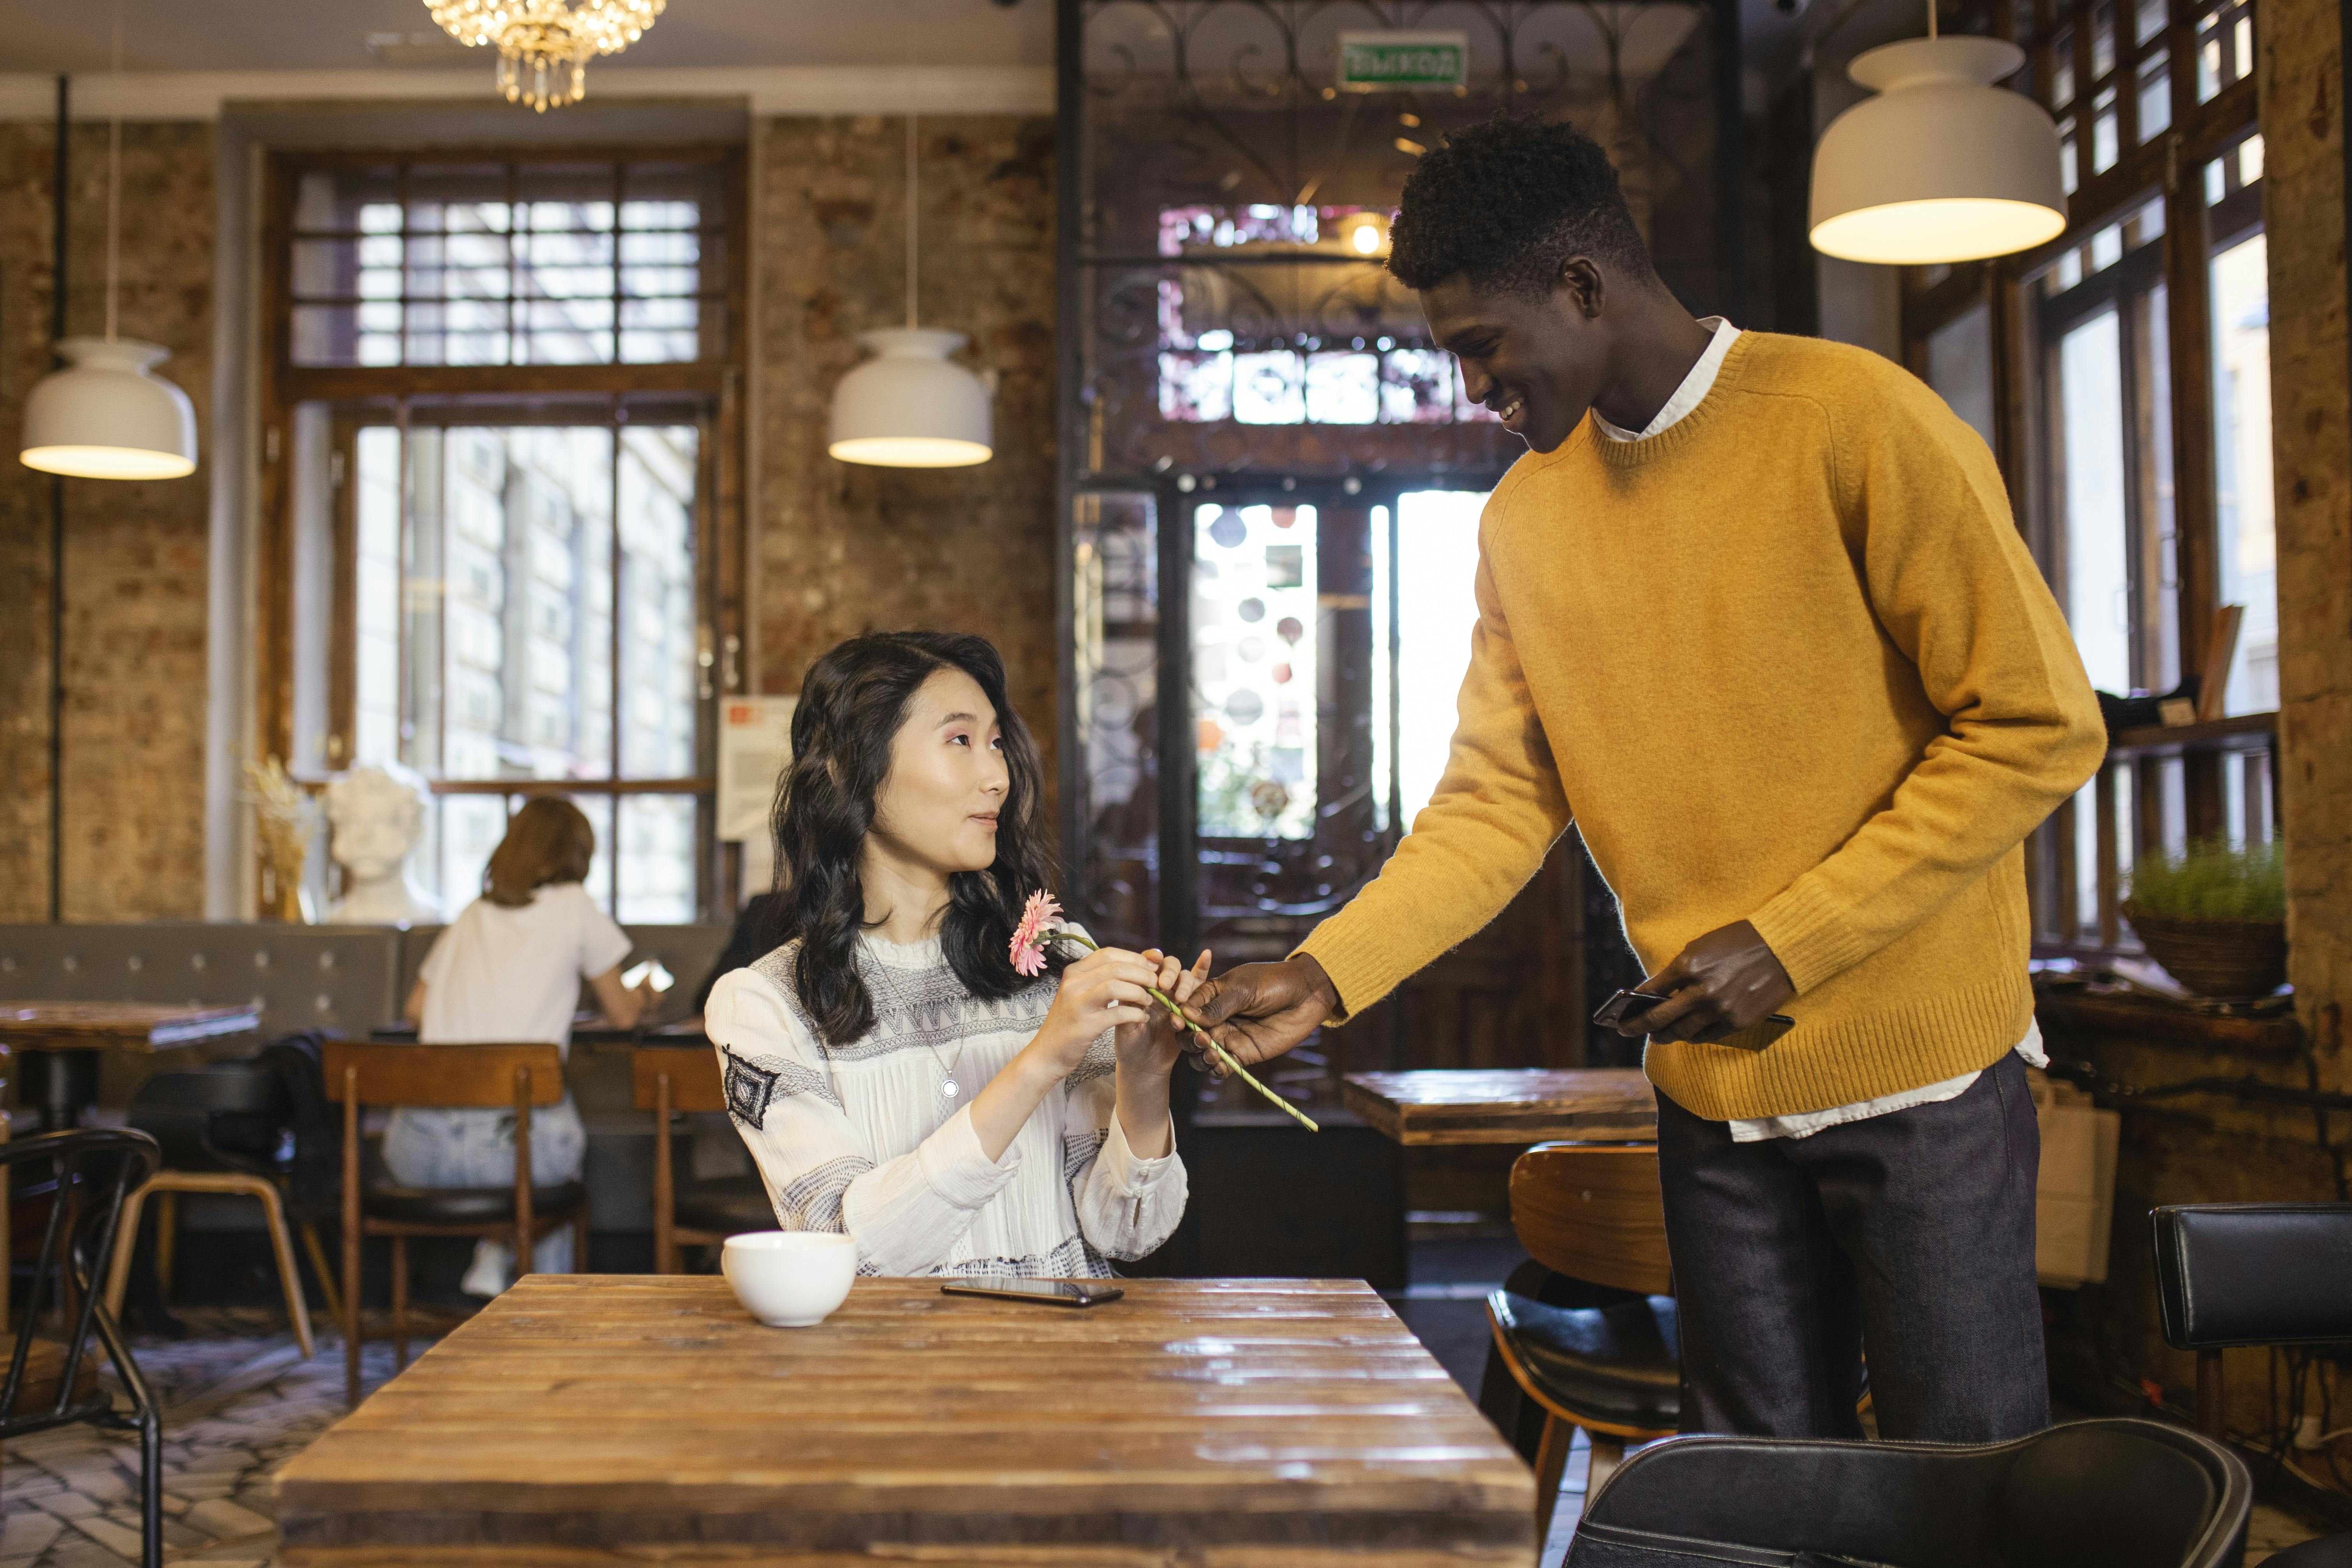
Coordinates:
[2254,1274]
[479,1077]
[665,1080]
[1592,1212]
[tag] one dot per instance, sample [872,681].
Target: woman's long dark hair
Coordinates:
[851,705]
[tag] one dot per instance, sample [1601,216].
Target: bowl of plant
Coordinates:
[2214,916]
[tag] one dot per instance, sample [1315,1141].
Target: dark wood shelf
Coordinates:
[2151,1020]
[2245,731]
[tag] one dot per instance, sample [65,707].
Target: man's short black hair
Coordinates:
[1509,202]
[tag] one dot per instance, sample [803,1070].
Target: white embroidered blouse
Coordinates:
[860,1139]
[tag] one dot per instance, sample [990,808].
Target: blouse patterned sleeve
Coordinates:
[906,1215]
[1127,1206]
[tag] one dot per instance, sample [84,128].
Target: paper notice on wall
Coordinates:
[755,742]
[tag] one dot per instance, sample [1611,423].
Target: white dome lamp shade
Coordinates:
[1941,166]
[105,416]
[911,406]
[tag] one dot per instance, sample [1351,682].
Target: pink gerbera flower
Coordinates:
[1038,920]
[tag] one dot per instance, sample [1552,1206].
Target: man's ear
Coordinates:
[1580,287]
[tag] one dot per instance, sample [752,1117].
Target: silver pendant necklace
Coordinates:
[949,1088]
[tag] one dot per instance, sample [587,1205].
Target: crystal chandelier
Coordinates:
[544,45]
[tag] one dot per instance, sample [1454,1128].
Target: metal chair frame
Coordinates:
[96,1170]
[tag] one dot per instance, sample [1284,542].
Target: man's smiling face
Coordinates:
[1537,363]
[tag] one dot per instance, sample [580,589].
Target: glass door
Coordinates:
[1318,638]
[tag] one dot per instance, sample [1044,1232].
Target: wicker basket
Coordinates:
[2231,958]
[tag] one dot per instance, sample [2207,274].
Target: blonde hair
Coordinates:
[549,840]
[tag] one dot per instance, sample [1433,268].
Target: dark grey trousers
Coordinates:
[1909,1236]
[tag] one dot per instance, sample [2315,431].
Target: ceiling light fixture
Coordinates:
[911,406]
[104,415]
[1365,233]
[544,46]
[1942,166]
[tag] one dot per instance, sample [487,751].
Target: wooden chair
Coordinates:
[181,1110]
[486,1078]
[668,1080]
[166,1187]
[1592,1212]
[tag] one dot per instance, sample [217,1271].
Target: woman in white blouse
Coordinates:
[893,1077]
[507,970]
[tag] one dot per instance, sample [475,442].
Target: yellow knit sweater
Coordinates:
[1787,661]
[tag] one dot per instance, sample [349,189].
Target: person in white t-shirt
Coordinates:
[508,971]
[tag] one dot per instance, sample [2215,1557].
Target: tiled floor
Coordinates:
[238,1400]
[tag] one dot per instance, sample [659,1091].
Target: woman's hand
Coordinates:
[623,1004]
[1153,1043]
[1105,989]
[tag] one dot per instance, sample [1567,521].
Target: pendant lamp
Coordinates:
[105,415]
[911,406]
[1940,166]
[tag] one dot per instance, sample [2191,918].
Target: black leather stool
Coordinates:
[2254,1274]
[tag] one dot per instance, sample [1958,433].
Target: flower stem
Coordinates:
[1222,1056]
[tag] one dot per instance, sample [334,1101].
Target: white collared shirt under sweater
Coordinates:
[859,1138]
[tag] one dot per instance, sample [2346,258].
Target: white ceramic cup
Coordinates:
[790,1279]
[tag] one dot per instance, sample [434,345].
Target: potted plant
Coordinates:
[2214,916]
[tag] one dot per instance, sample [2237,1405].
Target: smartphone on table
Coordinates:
[1046,1292]
[1628,1005]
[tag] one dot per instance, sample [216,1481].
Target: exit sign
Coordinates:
[1403,62]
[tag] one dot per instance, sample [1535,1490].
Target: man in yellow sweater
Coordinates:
[1753,612]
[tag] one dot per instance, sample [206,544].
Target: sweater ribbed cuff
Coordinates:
[1360,966]
[956,1167]
[1809,933]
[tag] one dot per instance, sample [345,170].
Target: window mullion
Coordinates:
[2131,312]
[619,610]
[2189,299]
[2083,111]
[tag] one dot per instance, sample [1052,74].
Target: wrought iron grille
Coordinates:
[1225,207]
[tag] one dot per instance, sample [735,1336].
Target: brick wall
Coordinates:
[837,549]
[834,549]
[136,553]
[2303,207]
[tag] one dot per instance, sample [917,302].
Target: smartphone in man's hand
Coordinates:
[1628,1004]
[1624,1005]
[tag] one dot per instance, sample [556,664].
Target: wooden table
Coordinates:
[1518,1106]
[613,1420]
[59,1040]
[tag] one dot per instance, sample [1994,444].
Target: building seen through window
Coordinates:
[503,377]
